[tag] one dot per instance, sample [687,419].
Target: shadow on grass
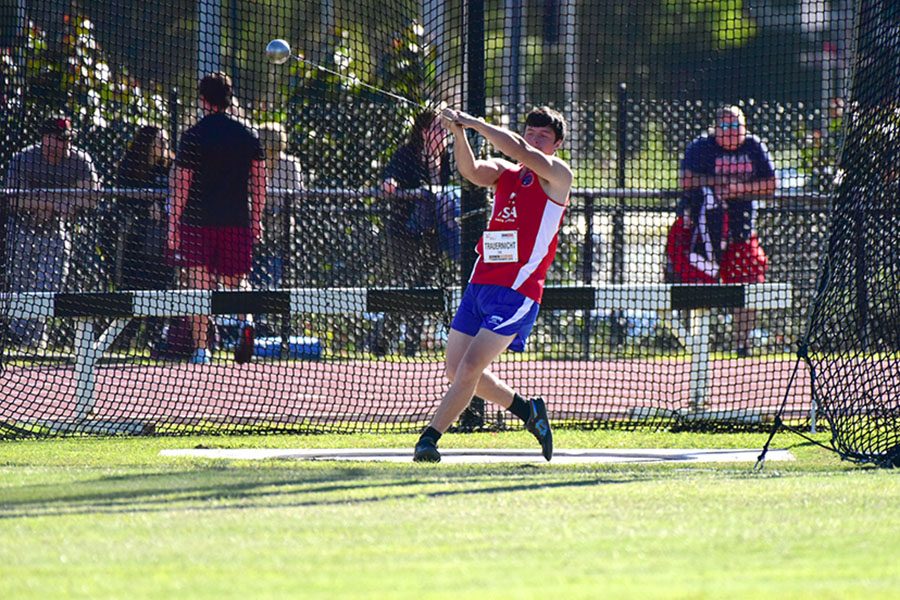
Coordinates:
[216,489]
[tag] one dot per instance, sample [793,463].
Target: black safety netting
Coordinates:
[158,278]
[854,331]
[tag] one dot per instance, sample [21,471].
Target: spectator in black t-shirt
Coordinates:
[218,191]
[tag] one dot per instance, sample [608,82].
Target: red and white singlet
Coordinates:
[520,241]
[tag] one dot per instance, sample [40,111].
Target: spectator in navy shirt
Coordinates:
[413,253]
[738,169]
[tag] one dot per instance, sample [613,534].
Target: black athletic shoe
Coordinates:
[243,352]
[426,451]
[539,425]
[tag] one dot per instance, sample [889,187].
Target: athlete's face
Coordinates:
[730,132]
[542,138]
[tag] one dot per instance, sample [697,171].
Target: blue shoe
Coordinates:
[201,356]
[426,451]
[539,425]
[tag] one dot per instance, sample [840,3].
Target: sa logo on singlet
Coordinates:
[508,214]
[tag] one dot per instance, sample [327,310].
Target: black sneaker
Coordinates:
[243,352]
[426,451]
[539,425]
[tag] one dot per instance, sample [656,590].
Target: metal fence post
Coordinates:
[474,199]
[587,272]
[617,331]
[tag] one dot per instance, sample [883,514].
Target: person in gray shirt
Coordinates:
[38,241]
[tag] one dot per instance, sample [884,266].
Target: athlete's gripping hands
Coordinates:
[502,299]
[535,150]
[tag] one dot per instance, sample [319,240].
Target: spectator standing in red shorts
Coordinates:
[738,168]
[218,192]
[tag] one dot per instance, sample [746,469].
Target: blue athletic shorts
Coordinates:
[498,309]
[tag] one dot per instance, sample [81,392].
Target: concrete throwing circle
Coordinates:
[484,455]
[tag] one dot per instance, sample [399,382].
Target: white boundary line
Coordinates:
[482,455]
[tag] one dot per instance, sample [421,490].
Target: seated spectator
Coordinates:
[413,244]
[141,262]
[284,176]
[145,165]
[38,241]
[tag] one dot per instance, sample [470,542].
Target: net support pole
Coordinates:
[174,116]
[234,37]
[474,199]
[587,275]
[434,17]
[570,50]
[512,86]
[617,333]
[209,37]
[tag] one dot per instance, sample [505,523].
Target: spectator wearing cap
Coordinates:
[38,240]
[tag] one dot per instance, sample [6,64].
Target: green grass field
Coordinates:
[109,518]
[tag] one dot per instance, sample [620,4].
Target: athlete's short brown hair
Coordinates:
[544,116]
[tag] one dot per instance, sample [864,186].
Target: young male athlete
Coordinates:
[504,293]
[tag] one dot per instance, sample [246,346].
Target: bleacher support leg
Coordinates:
[85,361]
[700,333]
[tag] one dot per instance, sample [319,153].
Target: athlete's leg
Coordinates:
[468,359]
[744,323]
[490,387]
[744,262]
[469,368]
[198,273]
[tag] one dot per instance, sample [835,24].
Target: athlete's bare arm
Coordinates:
[556,176]
[258,180]
[755,187]
[482,173]
[691,180]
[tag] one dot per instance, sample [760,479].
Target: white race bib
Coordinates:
[501,246]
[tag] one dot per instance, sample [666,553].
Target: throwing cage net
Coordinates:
[854,333]
[134,270]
